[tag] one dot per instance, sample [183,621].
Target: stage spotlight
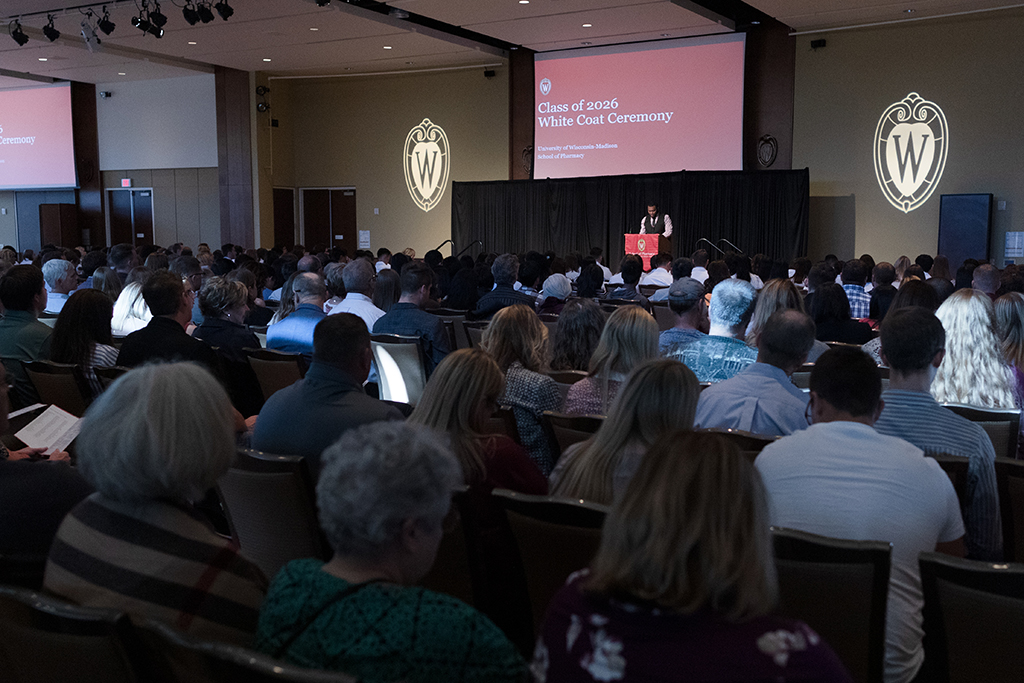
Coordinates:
[105,24]
[157,17]
[190,14]
[147,26]
[224,9]
[19,36]
[205,14]
[49,31]
[323,3]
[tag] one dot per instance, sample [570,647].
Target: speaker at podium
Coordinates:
[646,246]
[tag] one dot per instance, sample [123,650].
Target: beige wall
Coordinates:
[970,67]
[8,221]
[186,203]
[351,132]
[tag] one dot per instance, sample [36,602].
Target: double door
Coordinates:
[131,216]
[328,217]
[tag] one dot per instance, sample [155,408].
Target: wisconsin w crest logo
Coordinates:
[911,141]
[426,164]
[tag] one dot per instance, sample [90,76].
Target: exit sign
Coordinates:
[126,182]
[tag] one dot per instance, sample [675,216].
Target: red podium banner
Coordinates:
[646,246]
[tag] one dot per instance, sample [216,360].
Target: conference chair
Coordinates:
[452,573]
[749,444]
[454,324]
[1001,425]
[649,290]
[43,639]
[503,421]
[973,618]
[108,375]
[542,524]
[664,316]
[802,377]
[401,366]
[166,655]
[475,332]
[60,384]
[1010,484]
[840,589]
[565,430]
[270,504]
[955,467]
[565,379]
[275,370]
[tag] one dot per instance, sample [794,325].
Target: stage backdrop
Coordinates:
[759,211]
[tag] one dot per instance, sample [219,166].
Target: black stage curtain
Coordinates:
[760,212]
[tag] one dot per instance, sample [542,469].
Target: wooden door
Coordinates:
[284,217]
[316,218]
[142,217]
[120,205]
[343,219]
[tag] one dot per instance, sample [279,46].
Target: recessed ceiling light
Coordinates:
[586,42]
[191,42]
[524,2]
[408,62]
[665,35]
[42,59]
[387,47]
[587,25]
[265,59]
[121,73]
[314,28]
[910,11]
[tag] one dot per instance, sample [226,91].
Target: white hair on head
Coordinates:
[57,269]
[731,302]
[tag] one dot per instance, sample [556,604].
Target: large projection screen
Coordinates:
[648,108]
[36,143]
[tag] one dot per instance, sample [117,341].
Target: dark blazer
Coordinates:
[164,339]
[240,380]
[408,319]
[228,336]
[497,299]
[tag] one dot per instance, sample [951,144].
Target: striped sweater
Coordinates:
[156,559]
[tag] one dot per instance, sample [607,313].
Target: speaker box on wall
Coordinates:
[965,224]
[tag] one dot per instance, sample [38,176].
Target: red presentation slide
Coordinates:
[36,144]
[669,107]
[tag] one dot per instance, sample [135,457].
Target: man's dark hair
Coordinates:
[529,273]
[92,261]
[830,304]
[19,286]
[911,337]
[227,248]
[869,262]
[682,267]
[700,258]
[120,255]
[631,268]
[801,268]
[186,266]
[596,252]
[943,287]
[433,258]
[820,274]
[340,339]
[786,338]
[883,274]
[162,292]
[925,261]
[383,251]
[660,259]
[848,380]
[854,272]
[416,275]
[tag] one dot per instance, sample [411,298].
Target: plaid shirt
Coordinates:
[860,301]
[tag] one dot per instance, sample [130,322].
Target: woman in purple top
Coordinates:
[683,584]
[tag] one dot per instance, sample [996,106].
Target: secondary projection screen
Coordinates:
[663,106]
[36,143]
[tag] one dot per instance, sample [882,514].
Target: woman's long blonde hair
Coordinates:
[660,396]
[901,265]
[452,402]
[776,295]
[515,333]
[973,370]
[691,531]
[629,338]
[1010,327]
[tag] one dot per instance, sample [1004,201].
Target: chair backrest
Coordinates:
[570,429]
[955,467]
[973,618]
[664,316]
[842,345]
[108,375]
[1010,484]
[169,656]
[60,384]
[453,323]
[451,572]
[475,332]
[1002,426]
[750,444]
[503,421]
[276,370]
[555,537]
[270,504]
[43,639]
[840,589]
[401,366]
[649,290]
[802,377]
[564,379]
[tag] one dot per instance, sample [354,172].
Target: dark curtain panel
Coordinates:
[762,211]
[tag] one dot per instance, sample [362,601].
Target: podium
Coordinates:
[646,246]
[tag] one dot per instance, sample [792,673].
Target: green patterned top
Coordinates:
[381,633]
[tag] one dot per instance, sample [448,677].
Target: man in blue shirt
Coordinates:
[294,334]
[761,398]
[855,274]
[723,353]
[406,317]
[686,301]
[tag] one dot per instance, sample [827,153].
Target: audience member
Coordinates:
[631,268]
[940,269]
[660,274]
[700,265]
[1009,310]
[387,289]
[718,271]
[576,335]
[311,414]
[913,344]
[157,439]
[383,497]
[683,585]
[831,312]
[359,278]
[407,317]
[681,267]
[841,478]
[131,313]
[61,279]
[629,338]
[259,315]
[294,334]
[518,341]
[189,268]
[854,276]
[505,271]
[463,292]
[335,286]
[687,303]
[90,262]
[122,258]
[820,274]
[778,295]
[986,279]
[81,335]
[900,266]
[22,336]
[913,293]
[659,397]
[106,280]
[723,353]
[460,397]
[557,289]
[761,397]
[383,260]
[590,283]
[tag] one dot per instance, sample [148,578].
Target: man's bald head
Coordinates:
[986,278]
[786,340]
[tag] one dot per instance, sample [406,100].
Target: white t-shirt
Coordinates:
[657,276]
[700,274]
[845,480]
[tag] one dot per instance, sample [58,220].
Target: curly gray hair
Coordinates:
[732,302]
[379,475]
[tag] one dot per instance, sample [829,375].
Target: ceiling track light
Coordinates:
[190,13]
[105,24]
[156,17]
[323,3]
[19,36]
[205,13]
[147,26]
[224,9]
[49,31]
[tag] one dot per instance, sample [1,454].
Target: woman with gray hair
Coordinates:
[158,438]
[224,304]
[383,494]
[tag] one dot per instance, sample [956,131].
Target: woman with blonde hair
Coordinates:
[1009,309]
[683,584]
[901,265]
[629,338]
[461,395]
[131,312]
[660,396]
[973,370]
[778,295]
[518,341]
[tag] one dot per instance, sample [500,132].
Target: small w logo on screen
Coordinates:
[545,86]
[910,147]
[426,164]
